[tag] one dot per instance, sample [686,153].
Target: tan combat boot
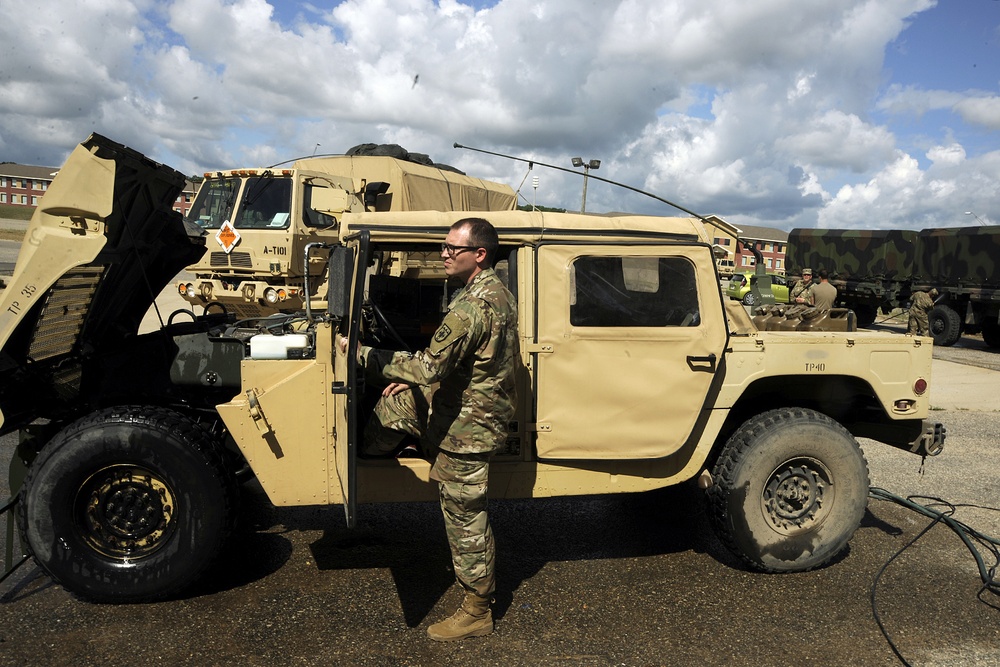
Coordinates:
[473,619]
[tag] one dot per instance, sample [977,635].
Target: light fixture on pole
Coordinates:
[534,184]
[976,217]
[314,149]
[587,166]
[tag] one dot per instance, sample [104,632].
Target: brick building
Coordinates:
[771,242]
[24,185]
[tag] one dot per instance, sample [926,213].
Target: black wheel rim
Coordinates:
[797,496]
[125,512]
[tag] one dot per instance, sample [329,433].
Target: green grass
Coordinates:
[13,212]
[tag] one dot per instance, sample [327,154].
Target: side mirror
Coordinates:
[372,192]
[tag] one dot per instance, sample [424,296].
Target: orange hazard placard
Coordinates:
[227,236]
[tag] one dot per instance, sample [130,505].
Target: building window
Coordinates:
[3,197]
[24,199]
[34,201]
[768,262]
[3,181]
[15,182]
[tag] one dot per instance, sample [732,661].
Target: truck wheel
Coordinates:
[128,504]
[991,334]
[865,314]
[791,487]
[945,325]
[749,299]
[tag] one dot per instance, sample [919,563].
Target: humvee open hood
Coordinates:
[103,242]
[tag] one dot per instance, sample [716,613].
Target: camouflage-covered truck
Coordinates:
[875,269]
[260,222]
[634,374]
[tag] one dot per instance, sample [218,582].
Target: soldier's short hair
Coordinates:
[823,275]
[482,234]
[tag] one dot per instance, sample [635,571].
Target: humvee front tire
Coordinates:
[126,505]
[790,488]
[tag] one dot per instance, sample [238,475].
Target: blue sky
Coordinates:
[844,113]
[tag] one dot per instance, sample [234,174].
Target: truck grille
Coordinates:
[239,260]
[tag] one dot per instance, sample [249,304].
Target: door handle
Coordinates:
[695,362]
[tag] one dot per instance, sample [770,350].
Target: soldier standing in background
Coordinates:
[920,307]
[463,420]
[824,294]
[802,291]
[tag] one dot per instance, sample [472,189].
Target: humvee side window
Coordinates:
[633,292]
[266,204]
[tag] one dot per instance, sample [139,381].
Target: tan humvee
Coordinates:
[637,374]
[260,222]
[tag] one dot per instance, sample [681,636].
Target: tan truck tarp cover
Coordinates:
[417,187]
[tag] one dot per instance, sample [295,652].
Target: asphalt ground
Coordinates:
[636,579]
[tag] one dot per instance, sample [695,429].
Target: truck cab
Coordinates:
[259,222]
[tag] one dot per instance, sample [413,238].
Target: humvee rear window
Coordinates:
[633,292]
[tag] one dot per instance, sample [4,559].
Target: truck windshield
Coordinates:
[214,202]
[267,203]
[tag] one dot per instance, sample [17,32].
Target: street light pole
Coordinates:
[976,217]
[587,166]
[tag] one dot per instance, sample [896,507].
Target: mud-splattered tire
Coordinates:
[128,504]
[945,325]
[791,487]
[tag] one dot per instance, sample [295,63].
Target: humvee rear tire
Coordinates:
[945,325]
[790,488]
[128,504]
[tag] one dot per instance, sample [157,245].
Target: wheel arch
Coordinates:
[850,401]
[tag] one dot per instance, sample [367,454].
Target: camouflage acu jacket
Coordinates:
[922,303]
[473,355]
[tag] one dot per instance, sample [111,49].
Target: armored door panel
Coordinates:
[629,339]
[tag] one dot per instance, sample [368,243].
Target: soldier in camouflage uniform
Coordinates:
[802,291]
[920,307]
[457,397]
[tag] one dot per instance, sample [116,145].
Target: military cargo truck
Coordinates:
[875,269]
[635,374]
[260,221]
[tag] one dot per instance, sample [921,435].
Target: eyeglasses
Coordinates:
[453,250]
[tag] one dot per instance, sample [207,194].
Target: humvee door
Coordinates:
[628,341]
[350,263]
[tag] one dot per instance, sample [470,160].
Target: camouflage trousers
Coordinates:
[918,324]
[462,485]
